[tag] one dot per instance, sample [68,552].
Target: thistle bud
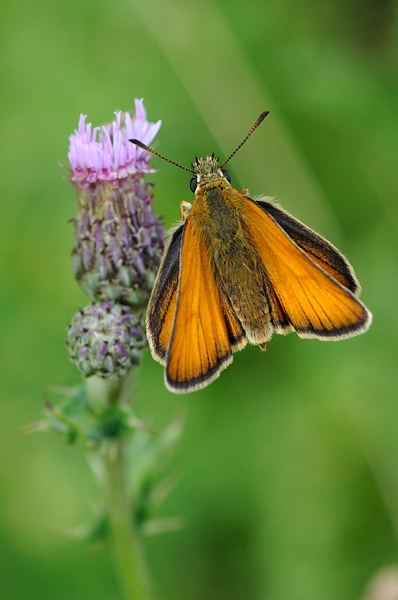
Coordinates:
[105,339]
[118,238]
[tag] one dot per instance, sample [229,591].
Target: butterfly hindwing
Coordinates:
[316,304]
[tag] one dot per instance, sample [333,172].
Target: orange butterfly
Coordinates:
[236,270]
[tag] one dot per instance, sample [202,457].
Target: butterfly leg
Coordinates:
[185,208]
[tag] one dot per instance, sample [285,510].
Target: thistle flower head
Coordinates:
[118,238]
[105,339]
[105,153]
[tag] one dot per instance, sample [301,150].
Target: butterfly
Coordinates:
[235,271]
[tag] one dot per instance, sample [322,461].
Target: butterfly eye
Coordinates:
[227,176]
[192,184]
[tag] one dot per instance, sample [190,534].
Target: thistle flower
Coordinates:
[118,238]
[105,339]
[118,244]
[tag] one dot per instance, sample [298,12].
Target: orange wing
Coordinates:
[162,304]
[316,305]
[205,329]
[319,250]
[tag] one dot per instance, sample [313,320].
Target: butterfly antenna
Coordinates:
[248,134]
[155,153]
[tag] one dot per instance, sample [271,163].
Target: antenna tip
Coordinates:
[262,116]
[137,143]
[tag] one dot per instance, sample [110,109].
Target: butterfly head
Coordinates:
[207,169]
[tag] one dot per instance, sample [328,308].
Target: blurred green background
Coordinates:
[289,464]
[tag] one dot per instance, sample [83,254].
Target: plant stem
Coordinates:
[126,545]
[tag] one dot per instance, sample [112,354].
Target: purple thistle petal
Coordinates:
[105,153]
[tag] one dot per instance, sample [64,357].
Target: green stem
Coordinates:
[126,543]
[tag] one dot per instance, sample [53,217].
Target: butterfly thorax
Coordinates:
[215,211]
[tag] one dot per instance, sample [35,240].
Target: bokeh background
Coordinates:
[289,463]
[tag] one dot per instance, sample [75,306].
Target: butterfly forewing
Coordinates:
[162,304]
[204,332]
[318,249]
